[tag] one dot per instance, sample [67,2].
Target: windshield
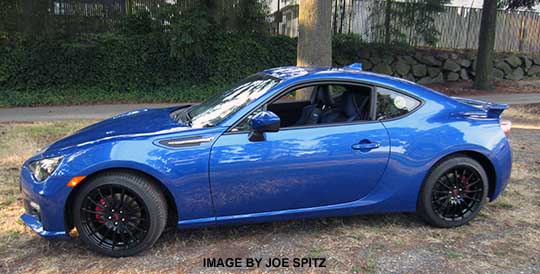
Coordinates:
[222,105]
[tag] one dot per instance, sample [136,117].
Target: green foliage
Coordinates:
[189,34]
[9,9]
[392,21]
[136,65]
[251,17]
[157,52]
[140,23]
[121,66]
[106,68]
[345,48]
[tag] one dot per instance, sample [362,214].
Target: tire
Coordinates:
[119,214]
[453,193]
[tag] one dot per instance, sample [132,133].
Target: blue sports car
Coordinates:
[284,143]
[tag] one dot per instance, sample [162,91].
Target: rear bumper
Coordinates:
[503,168]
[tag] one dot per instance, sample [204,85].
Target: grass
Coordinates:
[505,237]
[503,203]
[369,266]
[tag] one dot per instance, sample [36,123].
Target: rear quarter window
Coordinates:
[392,104]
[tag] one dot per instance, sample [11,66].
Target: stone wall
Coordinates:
[436,66]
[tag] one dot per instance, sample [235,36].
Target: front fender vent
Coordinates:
[186,142]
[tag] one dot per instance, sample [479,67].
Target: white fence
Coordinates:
[458,27]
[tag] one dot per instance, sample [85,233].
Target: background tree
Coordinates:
[9,15]
[336,9]
[391,20]
[486,44]
[314,35]
[342,16]
[251,17]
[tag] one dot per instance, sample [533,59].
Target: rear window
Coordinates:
[391,104]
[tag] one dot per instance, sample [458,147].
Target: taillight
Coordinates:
[506,126]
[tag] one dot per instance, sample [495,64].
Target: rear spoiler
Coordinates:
[490,110]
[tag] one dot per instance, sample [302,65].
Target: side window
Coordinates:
[298,95]
[391,104]
[319,104]
[288,107]
[244,125]
[337,90]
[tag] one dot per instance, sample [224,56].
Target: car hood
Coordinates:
[138,123]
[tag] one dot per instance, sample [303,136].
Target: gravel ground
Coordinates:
[504,238]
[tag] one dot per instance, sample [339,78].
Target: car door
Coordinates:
[297,167]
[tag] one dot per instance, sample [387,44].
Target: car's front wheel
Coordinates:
[453,193]
[119,214]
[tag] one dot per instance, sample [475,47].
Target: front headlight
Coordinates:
[45,167]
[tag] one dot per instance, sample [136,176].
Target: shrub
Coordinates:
[136,61]
[138,65]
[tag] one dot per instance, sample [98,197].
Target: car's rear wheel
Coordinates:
[119,214]
[453,193]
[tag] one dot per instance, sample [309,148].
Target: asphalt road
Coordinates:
[98,112]
[86,112]
[512,99]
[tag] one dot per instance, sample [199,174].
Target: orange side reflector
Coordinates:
[75,181]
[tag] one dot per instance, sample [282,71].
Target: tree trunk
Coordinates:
[279,17]
[351,13]
[342,16]
[336,5]
[486,44]
[387,14]
[314,35]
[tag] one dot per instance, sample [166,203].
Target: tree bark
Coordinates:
[486,45]
[314,35]
[336,5]
[387,15]
[342,16]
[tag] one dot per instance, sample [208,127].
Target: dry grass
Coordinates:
[504,238]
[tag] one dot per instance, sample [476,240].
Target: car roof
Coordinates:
[351,71]
[292,74]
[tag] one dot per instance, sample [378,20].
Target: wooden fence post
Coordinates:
[522,32]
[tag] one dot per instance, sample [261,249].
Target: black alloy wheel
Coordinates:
[457,193]
[119,214]
[453,193]
[114,217]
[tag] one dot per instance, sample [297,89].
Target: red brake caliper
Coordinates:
[465,182]
[100,209]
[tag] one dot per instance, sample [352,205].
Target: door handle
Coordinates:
[366,145]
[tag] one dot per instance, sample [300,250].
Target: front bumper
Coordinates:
[33,222]
[44,204]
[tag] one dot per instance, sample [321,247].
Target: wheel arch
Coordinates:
[171,204]
[481,158]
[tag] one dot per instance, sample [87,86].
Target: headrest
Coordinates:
[350,107]
[324,96]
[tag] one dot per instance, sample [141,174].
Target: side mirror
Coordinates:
[264,121]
